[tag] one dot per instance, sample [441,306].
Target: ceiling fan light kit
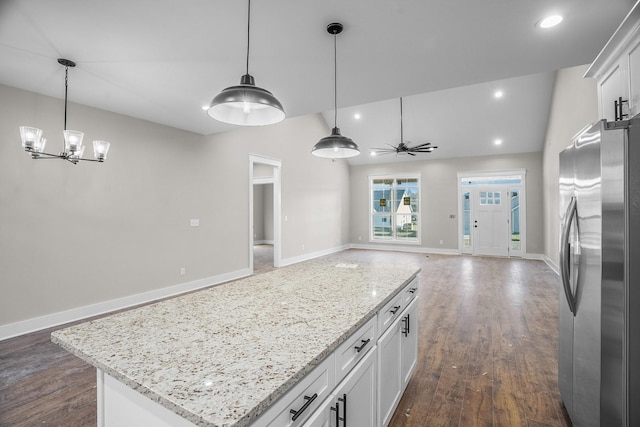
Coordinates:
[246,104]
[402,147]
[335,146]
[34,143]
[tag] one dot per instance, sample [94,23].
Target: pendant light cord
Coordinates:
[248,32]
[401,127]
[335,80]
[66,85]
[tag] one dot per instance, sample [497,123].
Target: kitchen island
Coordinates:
[223,355]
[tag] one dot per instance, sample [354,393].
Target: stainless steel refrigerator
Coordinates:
[599,347]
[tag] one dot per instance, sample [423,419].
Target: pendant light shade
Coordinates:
[246,104]
[335,146]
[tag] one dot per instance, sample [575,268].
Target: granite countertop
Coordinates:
[224,354]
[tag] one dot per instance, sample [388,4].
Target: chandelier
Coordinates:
[34,143]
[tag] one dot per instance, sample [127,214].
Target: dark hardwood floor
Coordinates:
[487,352]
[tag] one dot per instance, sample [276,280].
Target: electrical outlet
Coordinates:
[183,271]
[441,242]
[303,247]
[195,222]
[359,237]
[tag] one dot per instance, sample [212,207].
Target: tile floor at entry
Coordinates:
[487,351]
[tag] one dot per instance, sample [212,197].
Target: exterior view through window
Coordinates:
[395,207]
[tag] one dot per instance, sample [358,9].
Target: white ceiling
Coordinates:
[162,60]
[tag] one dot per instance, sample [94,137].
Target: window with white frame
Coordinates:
[395,208]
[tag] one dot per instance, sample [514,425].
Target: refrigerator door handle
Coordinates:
[565,254]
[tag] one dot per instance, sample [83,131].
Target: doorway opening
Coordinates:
[491,212]
[264,213]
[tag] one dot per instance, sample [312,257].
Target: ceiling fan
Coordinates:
[405,148]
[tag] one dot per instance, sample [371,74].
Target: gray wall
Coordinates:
[263,212]
[75,235]
[439,193]
[258,212]
[574,105]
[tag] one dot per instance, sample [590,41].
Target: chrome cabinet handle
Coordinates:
[364,343]
[565,260]
[299,412]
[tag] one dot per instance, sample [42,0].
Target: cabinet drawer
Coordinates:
[354,348]
[410,292]
[303,399]
[390,312]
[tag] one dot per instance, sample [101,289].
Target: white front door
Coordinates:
[490,221]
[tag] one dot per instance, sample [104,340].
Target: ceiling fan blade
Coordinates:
[426,144]
[410,153]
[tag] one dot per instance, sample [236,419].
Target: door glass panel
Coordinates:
[466,219]
[515,219]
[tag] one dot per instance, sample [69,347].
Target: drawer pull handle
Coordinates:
[395,309]
[299,412]
[364,343]
[413,290]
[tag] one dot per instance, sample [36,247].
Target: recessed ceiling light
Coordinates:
[373,153]
[498,94]
[549,21]
[357,116]
[497,141]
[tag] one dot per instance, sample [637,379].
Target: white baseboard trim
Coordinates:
[418,249]
[54,319]
[551,264]
[306,257]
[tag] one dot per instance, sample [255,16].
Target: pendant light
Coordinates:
[335,146]
[246,104]
[34,143]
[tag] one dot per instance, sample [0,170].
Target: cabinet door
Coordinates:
[389,372]
[409,341]
[611,87]
[634,78]
[324,415]
[356,395]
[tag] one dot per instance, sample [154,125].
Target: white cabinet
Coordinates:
[389,372]
[355,348]
[353,402]
[397,353]
[409,340]
[303,399]
[617,71]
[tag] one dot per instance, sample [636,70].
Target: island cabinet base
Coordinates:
[361,381]
[122,406]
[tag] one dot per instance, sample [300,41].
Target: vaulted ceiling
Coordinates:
[162,60]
